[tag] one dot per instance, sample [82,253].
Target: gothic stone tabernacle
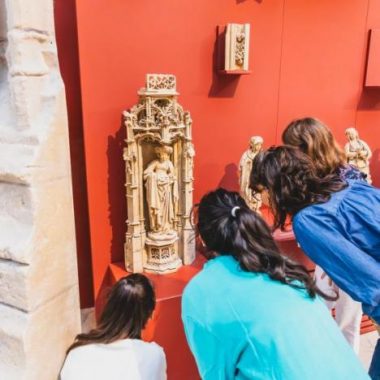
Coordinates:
[159,179]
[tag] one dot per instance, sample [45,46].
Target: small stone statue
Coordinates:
[190,153]
[161,191]
[358,152]
[245,167]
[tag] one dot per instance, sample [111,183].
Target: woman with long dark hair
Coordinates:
[335,221]
[315,139]
[252,313]
[114,349]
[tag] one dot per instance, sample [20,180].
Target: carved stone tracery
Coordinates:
[236,47]
[240,50]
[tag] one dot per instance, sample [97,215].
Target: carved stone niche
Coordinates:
[159,179]
[236,47]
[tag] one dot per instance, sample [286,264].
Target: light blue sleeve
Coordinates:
[352,269]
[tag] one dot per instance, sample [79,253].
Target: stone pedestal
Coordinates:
[162,254]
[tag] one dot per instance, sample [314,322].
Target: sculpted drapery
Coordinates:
[161,191]
[358,152]
[245,167]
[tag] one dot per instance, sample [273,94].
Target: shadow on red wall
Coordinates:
[66,34]
[374,168]
[369,99]
[230,179]
[117,211]
[367,120]
[222,86]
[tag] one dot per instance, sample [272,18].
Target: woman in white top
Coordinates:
[114,350]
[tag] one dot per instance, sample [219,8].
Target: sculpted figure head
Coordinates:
[163,152]
[351,134]
[256,142]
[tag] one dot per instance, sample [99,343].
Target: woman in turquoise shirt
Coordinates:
[251,313]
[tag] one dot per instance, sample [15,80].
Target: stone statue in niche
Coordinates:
[358,152]
[190,153]
[161,192]
[159,157]
[236,47]
[254,201]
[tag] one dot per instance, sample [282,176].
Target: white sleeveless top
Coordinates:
[126,359]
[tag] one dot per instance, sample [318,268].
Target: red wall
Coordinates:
[306,57]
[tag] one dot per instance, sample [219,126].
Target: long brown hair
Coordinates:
[228,226]
[292,181]
[130,304]
[316,140]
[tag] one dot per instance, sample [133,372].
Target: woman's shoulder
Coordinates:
[152,353]
[357,195]
[212,270]
[151,348]
[303,215]
[94,359]
[203,284]
[312,218]
[134,344]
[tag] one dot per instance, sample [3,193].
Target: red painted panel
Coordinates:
[373,63]
[373,18]
[368,110]
[322,65]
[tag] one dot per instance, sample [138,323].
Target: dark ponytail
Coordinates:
[129,306]
[228,227]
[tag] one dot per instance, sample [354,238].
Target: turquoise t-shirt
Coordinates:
[242,325]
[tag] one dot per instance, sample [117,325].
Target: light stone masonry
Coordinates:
[39,302]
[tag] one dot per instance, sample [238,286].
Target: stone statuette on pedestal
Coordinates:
[159,180]
[358,152]
[245,167]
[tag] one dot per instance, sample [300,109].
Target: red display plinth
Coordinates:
[288,245]
[165,327]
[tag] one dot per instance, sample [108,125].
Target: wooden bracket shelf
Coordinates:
[234,72]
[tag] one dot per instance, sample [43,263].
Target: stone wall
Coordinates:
[39,304]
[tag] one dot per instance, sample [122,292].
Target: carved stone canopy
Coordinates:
[159,84]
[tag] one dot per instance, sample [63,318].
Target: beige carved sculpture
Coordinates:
[358,152]
[254,201]
[158,158]
[236,47]
[161,191]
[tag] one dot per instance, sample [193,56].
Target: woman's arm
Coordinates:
[352,269]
